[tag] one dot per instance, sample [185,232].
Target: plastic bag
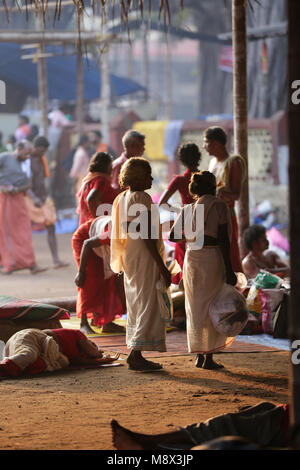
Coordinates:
[270,300]
[164,300]
[228,311]
[265,280]
[254,301]
[164,295]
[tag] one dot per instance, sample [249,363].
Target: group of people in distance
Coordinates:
[117,272]
[136,264]
[24,200]
[120,255]
[128,268]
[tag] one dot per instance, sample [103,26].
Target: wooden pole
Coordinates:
[55,37]
[294,201]
[240,107]
[42,81]
[105,95]
[145,61]
[169,82]
[80,97]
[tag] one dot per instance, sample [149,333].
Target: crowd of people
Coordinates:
[118,246]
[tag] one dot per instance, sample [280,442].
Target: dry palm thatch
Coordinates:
[126,6]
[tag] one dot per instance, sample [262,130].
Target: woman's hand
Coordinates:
[80,279]
[108,359]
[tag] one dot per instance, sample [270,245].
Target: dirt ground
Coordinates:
[72,410]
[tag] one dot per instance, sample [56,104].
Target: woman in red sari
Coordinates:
[99,290]
[190,156]
[99,179]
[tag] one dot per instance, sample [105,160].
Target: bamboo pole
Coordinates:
[42,80]
[240,107]
[43,89]
[169,83]
[145,61]
[80,97]
[105,95]
[53,37]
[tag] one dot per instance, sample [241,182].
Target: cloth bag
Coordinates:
[164,294]
[228,311]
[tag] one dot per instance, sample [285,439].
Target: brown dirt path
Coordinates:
[72,410]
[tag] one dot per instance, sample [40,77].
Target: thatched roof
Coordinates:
[125,7]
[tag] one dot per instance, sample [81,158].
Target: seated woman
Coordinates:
[99,295]
[98,179]
[259,257]
[32,351]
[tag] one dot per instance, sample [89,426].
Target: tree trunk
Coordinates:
[240,107]
[294,196]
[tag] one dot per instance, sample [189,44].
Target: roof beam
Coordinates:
[29,37]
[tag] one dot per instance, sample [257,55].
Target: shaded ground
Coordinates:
[72,410]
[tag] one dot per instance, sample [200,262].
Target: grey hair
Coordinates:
[24,144]
[131,136]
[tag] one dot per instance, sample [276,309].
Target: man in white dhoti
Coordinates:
[207,266]
[137,249]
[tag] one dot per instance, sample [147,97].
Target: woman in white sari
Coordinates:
[137,249]
[206,266]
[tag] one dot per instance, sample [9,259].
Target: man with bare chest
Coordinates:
[259,257]
[230,173]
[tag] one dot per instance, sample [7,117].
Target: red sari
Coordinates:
[15,233]
[102,183]
[98,297]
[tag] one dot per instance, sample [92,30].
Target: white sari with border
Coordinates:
[145,327]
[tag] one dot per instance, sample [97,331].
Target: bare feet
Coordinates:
[113,328]
[205,361]
[35,269]
[86,329]
[141,364]
[122,438]
[6,272]
[60,264]
[212,365]
[199,360]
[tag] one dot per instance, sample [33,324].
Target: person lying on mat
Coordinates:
[32,351]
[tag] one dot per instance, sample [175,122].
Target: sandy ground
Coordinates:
[72,410]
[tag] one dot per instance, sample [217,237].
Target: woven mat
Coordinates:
[177,346]
[74,323]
